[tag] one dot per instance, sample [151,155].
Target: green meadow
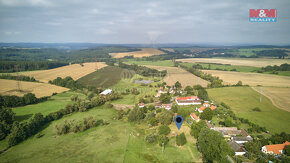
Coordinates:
[243,99]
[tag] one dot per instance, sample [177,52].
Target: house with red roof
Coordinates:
[194,117]
[276,149]
[189,100]
[201,109]
[206,104]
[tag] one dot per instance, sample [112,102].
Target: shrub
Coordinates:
[151,138]
[257,109]
[181,139]
[163,140]
[153,121]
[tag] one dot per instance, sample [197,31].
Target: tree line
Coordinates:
[16,131]
[142,70]
[15,101]
[18,77]
[281,54]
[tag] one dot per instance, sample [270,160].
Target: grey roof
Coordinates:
[242,138]
[236,147]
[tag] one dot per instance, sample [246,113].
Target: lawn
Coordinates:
[243,99]
[167,63]
[55,103]
[116,142]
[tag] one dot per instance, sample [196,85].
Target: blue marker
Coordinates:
[178,121]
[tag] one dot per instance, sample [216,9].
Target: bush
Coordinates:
[257,109]
[181,139]
[163,130]
[153,121]
[165,117]
[151,138]
[163,140]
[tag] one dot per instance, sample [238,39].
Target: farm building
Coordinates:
[106,92]
[239,149]
[242,140]
[189,100]
[230,132]
[165,106]
[194,117]
[275,149]
[206,104]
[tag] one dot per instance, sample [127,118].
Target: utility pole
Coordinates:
[162,147]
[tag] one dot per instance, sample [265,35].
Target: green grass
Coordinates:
[55,103]
[224,67]
[116,142]
[243,99]
[166,63]
[249,52]
[104,77]
[281,73]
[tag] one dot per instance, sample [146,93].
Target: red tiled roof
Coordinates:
[193,115]
[213,107]
[276,148]
[205,104]
[141,104]
[187,98]
[201,108]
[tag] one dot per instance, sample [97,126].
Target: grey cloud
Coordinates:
[138,21]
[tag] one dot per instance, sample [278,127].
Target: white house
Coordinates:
[276,149]
[106,92]
[189,100]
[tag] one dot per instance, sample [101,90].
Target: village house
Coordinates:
[165,106]
[276,149]
[189,100]
[239,149]
[106,92]
[141,105]
[194,117]
[204,106]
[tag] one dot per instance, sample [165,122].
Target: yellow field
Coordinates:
[168,49]
[252,79]
[175,74]
[145,52]
[255,62]
[10,87]
[279,96]
[75,71]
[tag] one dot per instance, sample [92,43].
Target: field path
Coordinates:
[255,62]
[175,74]
[278,96]
[10,87]
[75,71]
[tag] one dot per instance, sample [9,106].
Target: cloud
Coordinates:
[136,21]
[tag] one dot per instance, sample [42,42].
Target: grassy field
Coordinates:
[243,99]
[116,142]
[254,62]
[175,74]
[105,77]
[226,67]
[166,63]
[75,71]
[252,79]
[10,87]
[55,103]
[279,96]
[145,52]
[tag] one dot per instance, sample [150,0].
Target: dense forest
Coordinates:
[16,66]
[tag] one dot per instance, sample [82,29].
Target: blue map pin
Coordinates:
[178,121]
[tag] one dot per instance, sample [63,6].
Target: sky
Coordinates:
[221,22]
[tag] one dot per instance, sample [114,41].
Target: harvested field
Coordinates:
[10,87]
[252,79]
[75,71]
[279,96]
[145,52]
[175,74]
[255,62]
